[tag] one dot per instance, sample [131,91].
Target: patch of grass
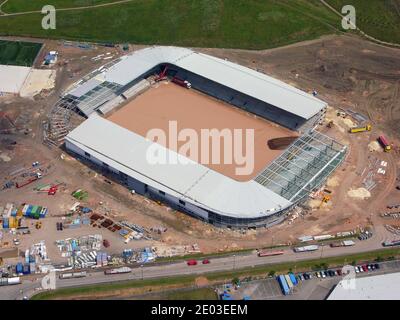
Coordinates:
[92,290]
[378,18]
[18,53]
[191,294]
[14,6]
[251,24]
[223,276]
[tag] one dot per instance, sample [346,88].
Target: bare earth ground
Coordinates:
[155,108]
[346,71]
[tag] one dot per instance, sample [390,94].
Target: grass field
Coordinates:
[13,6]
[377,18]
[155,285]
[18,53]
[251,24]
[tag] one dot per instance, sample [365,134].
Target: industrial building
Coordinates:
[381,287]
[193,187]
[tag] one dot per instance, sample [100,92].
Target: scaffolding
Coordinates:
[58,122]
[303,167]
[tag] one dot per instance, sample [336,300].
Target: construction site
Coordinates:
[62,203]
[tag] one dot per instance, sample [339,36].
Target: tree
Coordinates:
[271,273]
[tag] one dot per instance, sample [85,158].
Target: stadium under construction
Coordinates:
[196,189]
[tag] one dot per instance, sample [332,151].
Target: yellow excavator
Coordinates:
[325,199]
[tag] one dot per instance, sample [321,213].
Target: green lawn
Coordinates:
[18,53]
[13,6]
[251,24]
[378,18]
[192,294]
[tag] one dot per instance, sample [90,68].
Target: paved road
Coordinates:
[226,263]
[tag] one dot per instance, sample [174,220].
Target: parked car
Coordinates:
[323,274]
[339,272]
[365,268]
[318,274]
[377,266]
[205,261]
[306,276]
[191,262]
[356,269]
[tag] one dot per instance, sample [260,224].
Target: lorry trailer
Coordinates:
[118,270]
[72,275]
[9,281]
[270,253]
[306,248]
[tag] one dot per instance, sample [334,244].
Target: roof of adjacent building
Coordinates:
[250,82]
[127,152]
[381,287]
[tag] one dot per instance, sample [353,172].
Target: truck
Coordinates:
[391,243]
[384,143]
[282,282]
[117,271]
[270,253]
[367,127]
[345,243]
[313,247]
[182,83]
[9,281]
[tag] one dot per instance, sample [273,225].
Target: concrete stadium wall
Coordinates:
[182,205]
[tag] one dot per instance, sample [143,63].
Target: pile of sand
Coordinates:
[374,146]
[360,193]
[349,123]
[37,81]
[332,182]
[4,157]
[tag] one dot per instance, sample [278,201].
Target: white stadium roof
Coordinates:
[250,82]
[126,151]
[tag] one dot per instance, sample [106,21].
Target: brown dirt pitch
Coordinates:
[155,108]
